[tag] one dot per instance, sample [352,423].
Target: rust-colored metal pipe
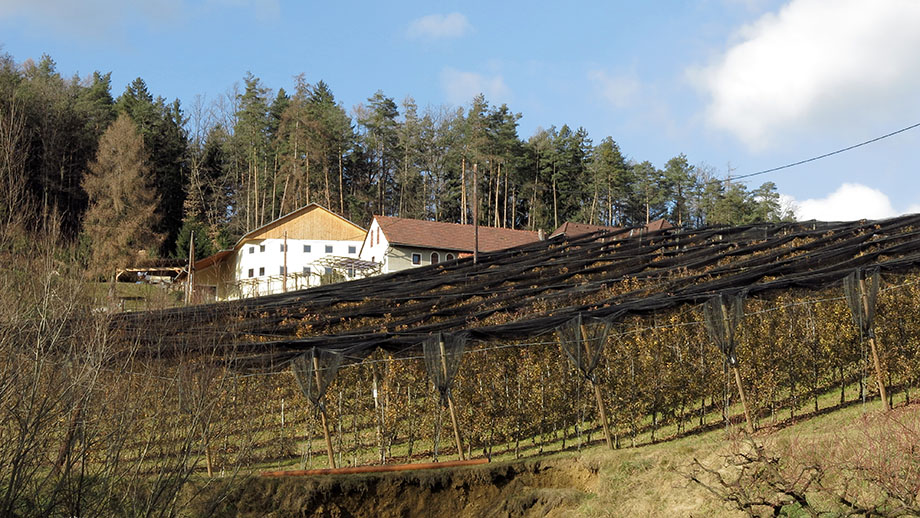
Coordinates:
[374,469]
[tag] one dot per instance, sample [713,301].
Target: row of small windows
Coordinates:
[435,258]
[306,249]
[306,271]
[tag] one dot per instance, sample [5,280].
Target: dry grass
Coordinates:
[650,481]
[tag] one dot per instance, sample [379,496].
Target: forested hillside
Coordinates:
[232,164]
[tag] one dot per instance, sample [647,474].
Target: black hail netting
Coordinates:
[314,372]
[583,340]
[528,291]
[861,298]
[442,360]
[722,314]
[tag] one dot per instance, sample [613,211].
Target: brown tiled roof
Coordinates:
[572,229]
[659,224]
[451,236]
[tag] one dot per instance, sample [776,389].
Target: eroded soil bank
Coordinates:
[537,488]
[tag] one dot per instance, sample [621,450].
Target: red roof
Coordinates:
[572,229]
[451,236]
[659,224]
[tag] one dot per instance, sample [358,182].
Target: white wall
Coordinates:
[378,251]
[267,254]
[396,257]
[400,257]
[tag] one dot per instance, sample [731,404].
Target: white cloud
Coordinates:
[620,90]
[851,201]
[460,87]
[451,25]
[815,65]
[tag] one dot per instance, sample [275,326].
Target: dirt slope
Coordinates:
[541,488]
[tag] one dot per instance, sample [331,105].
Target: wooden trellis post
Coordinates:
[309,370]
[601,407]
[442,360]
[322,414]
[575,341]
[737,371]
[450,403]
[874,349]
[861,301]
[721,322]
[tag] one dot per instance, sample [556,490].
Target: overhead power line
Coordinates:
[825,155]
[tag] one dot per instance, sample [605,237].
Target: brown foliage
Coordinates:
[120,218]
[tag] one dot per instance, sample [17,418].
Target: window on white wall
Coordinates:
[416,258]
[435,258]
[261,248]
[282,247]
[282,271]
[252,249]
[328,249]
[449,257]
[352,249]
[306,270]
[328,270]
[306,249]
[251,272]
[261,271]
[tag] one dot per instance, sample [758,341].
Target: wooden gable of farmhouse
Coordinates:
[310,222]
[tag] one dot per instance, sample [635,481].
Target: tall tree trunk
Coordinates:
[498,182]
[594,218]
[326,179]
[307,177]
[463,191]
[531,217]
[505,211]
[284,189]
[264,196]
[555,202]
[511,222]
[647,208]
[610,218]
[274,187]
[341,185]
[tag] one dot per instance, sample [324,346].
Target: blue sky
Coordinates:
[746,84]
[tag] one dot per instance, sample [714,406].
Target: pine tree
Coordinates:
[162,126]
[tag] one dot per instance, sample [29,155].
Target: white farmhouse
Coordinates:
[293,252]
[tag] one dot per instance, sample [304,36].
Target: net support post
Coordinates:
[873,348]
[598,395]
[450,403]
[322,415]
